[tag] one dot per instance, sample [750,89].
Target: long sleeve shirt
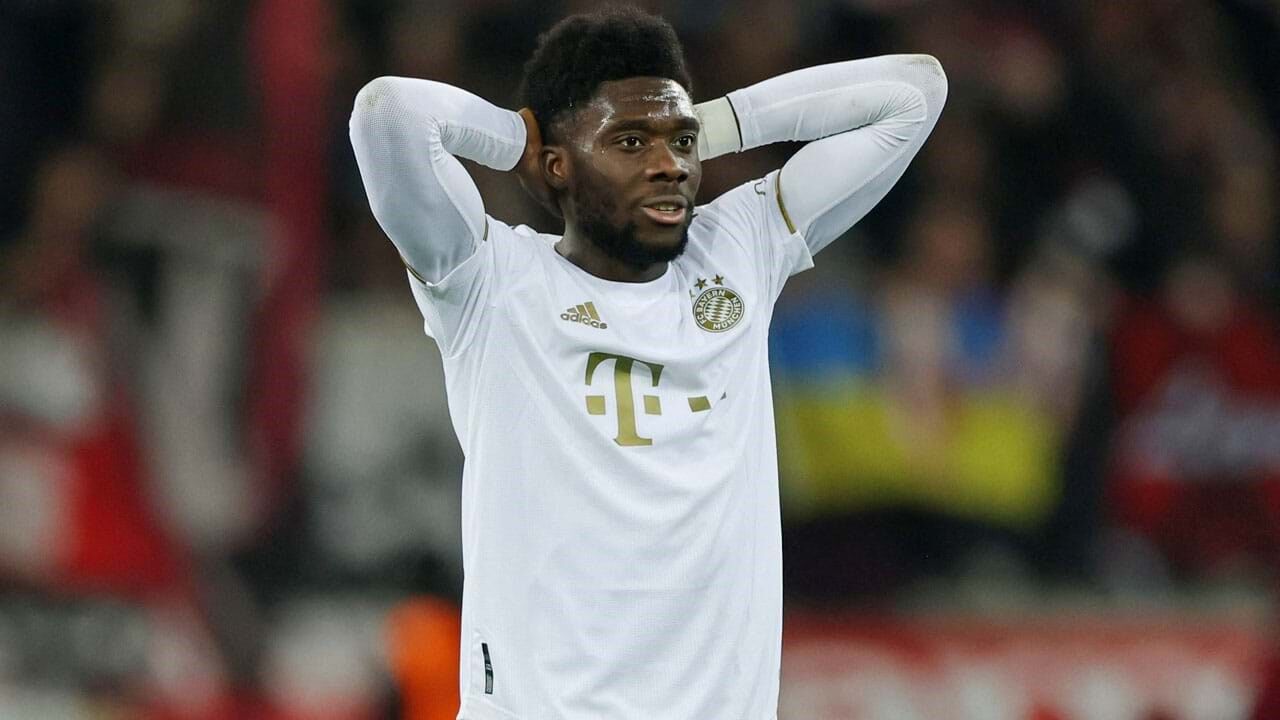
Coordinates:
[620,513]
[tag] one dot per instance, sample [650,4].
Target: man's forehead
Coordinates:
[643,89]
[642,96]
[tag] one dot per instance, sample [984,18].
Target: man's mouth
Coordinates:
[669,210]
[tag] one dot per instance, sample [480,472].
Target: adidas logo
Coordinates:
[585,314]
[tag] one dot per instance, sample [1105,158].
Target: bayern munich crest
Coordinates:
[717,308]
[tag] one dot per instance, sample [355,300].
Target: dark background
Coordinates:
[1040,382]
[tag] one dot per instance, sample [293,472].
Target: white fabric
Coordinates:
[405,133]
[718,134]
[621,529]
[872,116]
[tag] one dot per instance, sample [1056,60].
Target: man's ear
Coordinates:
[554,162]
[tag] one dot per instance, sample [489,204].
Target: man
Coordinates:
[610,387]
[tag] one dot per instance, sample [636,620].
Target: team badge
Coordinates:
[716,308]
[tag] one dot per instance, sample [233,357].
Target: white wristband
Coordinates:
[719,134]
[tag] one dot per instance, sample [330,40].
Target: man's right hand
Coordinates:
[529,170]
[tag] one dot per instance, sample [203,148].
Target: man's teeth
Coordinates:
[666,207]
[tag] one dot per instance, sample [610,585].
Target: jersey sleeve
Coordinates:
[452,308]
[407,135]
[866,119]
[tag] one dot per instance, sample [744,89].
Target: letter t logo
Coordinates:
[624,396]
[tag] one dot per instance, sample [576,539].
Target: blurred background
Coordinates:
[1028,409]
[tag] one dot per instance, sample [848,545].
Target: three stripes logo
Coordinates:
[586,314]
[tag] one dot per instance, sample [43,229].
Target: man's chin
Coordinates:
[666,246]
[661,249]
[641,250]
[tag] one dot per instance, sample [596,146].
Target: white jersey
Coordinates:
[620,520]
[621,535]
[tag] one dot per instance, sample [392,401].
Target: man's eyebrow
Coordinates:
[687,122]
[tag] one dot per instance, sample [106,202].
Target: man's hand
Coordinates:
[529,168]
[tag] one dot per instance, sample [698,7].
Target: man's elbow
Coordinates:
[927,65]
[930,76]
[374,96]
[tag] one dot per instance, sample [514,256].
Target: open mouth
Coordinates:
[665,217]
[667,210]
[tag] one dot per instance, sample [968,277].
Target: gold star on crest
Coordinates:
[702,283]
[719,279]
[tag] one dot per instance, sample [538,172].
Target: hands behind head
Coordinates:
[529,168]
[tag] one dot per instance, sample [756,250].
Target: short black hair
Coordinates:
[582,51]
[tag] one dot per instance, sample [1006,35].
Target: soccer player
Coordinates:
[610,386]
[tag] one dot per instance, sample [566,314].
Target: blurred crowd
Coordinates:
[1050,359]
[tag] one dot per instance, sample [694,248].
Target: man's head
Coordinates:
[611,96]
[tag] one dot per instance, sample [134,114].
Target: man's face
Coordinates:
[634,169]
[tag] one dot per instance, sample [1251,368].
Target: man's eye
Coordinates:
[685,141]
[631,141]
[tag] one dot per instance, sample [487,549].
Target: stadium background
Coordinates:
[1029,409]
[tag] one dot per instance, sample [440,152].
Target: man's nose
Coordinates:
[665,164]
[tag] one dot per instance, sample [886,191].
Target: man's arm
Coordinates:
[869,118]
[405,133]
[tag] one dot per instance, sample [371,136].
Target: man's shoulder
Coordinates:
[524,233]
[743,215]
[516,243]
[504,250]
[751,221]
[745,207]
